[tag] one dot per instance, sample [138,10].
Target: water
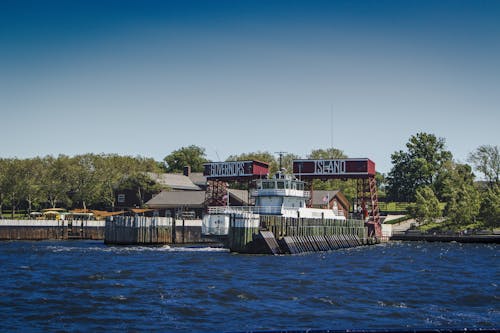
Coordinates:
[87,286]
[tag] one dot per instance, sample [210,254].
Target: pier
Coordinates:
[464,238]
[141,230]
[265,234]
[51,229]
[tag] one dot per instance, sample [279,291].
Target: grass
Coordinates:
[398,220]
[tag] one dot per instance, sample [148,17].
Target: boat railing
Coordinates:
[264,210]
[281,192]
[271,210]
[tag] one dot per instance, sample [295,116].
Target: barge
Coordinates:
[281,222]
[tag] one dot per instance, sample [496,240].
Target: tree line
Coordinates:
[84,181]
[425,174]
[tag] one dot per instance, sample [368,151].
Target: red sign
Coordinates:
[235,170]
[334,168]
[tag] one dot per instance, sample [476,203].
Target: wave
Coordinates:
[134,248]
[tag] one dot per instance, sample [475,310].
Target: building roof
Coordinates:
[175,199]
[319,197]
[174,181]
[198,179]
[240,195]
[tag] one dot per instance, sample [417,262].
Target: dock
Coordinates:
[471,238]
[264,234]
[51,229]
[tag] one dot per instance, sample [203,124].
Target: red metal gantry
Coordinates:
[220,173]
[361,169]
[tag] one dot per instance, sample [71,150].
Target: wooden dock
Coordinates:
[140,230]
[51,229]
[266,234]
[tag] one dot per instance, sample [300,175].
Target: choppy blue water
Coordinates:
[87,286]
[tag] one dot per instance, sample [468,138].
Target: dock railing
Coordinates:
[262,210]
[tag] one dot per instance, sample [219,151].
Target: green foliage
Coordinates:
[398,220]
[486,159]
[419,166]
[262,156]
[328,153]
[426,208]
[456,185]
[347,187]
[489,212]
[462,198]
[192,156]
[67,181]
[142,184]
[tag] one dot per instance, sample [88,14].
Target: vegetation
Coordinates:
[486,159]
[427,175]
[424,179]
[82,181]
[193,156]
[426,208]
[419,166]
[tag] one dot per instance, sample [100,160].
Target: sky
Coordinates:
[149,77]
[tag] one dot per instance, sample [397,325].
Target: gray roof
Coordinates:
[241,195]
[174,181]
[198,179]
[175,199]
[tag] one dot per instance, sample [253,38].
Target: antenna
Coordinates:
[331,126]
[281,153]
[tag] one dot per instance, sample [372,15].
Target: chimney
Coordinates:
[187,170]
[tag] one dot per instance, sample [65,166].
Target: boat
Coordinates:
[282,195]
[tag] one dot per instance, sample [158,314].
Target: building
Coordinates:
[330,199]
[190,204]
[188,181]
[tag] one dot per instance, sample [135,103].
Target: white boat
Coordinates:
[281,195]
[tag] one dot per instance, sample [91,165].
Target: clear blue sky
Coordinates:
[148,77]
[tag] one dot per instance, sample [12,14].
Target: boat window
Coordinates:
[267,185]
[281,184]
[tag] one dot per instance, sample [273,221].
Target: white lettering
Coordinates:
[329,167]
[227,169]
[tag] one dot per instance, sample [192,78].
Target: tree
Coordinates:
[347,187]
[489,213]
[56,180]
[262,156]
[192,156]
[3,170]
[419,166]
[461,196]
[142,184]
[328,153]
[12,184]
[31,191]
[486,159]
[84,181]
[426,207]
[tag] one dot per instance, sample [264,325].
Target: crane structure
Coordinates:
[361,169]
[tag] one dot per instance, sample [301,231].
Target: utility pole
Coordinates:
[281,153]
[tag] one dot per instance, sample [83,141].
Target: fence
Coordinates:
[152,230]
[288,226]
[51,229]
